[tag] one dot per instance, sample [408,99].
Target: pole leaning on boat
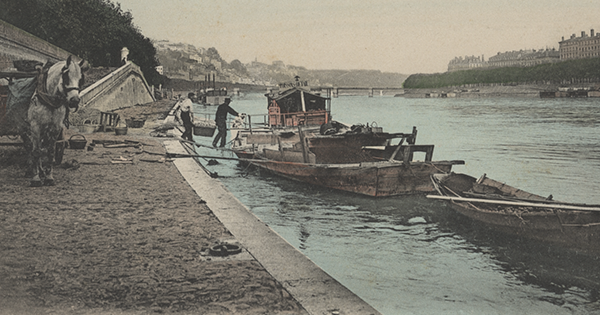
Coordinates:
[515,203]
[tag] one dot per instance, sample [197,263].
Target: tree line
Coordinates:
[565,72]
[95,30]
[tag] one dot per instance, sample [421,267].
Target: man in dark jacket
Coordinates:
[221,120]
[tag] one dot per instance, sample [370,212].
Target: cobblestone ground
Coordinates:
[120,233]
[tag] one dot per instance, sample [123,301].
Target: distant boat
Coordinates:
[212,97]
[517,212]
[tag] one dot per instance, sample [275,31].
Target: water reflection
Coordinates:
[414,243]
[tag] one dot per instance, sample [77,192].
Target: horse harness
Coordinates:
[42,95]
[42,92]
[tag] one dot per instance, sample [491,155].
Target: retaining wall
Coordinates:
[124,87]
[16,44]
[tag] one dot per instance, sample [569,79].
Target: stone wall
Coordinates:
[125,87]
[16,44]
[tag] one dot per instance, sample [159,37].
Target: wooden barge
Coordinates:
[302,143]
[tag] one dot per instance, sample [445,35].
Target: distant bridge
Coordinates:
[336,91]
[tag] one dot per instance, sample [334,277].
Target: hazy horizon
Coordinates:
[398,36]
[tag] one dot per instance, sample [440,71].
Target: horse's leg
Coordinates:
[37,118]
[28,145]
[60,148]
[36,154]
[49,142]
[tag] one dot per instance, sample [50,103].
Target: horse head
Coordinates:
[71,82]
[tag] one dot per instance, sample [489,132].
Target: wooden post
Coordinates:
[304,144]
[408,155]
[303,103]
[393,157]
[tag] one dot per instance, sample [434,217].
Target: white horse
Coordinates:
[57,91]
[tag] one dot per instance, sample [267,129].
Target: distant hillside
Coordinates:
[189,63]
[561,73]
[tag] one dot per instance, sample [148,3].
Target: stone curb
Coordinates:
[312,287]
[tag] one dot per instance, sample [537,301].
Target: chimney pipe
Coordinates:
[592,32]
[582,33]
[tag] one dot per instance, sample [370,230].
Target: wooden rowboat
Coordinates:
[517,212]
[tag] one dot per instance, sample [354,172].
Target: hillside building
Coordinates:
[466,63]
[585,46]
[524,58]
[520,58]
[580,47]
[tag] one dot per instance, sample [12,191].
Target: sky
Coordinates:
[401,36]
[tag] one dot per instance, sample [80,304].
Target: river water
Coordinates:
[413,255]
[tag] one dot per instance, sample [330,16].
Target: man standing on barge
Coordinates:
[221,121]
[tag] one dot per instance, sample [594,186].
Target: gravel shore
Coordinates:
[121,233]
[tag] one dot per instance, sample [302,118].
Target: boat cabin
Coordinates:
[297,107]
[213,97]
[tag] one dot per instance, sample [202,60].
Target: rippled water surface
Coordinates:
[413,255]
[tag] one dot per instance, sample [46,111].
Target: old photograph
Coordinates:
[299,157]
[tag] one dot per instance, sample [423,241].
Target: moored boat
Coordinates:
[358,161]
[300,141]
[511,210]
[377,179]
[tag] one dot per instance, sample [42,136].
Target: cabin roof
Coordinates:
[286,93]
[292,100]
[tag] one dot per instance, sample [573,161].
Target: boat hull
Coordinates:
[377,179]
[575,229]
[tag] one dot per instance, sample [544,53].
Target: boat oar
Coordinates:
[181,155]
[516,203]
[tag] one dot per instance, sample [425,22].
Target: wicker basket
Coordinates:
[120,131]
[88,127]
[135,123]
[77,142]
[204,127]
[204,131]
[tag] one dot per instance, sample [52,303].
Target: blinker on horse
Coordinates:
[57,91]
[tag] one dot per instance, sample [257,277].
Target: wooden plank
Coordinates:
[269,138]
[18,74]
